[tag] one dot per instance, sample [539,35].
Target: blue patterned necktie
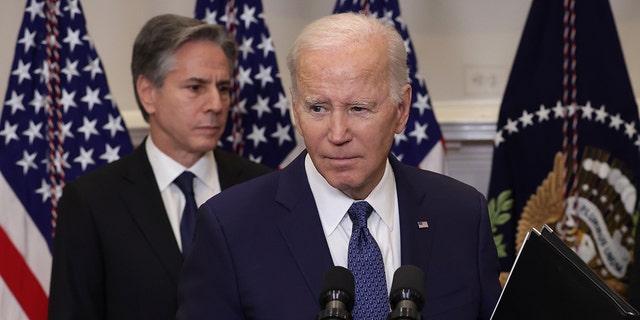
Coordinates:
[367,266]
[188,222]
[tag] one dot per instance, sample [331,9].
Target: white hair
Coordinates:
[347,28]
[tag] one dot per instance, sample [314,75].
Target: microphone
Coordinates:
[407,294]
[337,295]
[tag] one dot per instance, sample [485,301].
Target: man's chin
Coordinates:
[342,181]
[206,145]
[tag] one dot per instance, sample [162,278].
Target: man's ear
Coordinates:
[146,93]
[403,108]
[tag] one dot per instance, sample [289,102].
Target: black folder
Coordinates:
[549,281]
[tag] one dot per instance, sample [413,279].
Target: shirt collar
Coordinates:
[166,170]
[332,204]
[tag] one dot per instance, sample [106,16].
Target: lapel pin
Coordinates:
[423,224]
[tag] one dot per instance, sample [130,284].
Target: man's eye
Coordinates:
[224,89]
[360,109]
[316,108]
[194,87]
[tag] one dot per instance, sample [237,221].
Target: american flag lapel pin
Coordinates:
[423,224]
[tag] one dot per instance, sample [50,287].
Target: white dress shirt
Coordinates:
[384,222]
[205,185]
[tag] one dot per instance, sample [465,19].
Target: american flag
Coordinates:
[259,125]
[421,143]
[58,122]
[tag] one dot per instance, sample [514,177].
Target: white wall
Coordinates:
[451,37]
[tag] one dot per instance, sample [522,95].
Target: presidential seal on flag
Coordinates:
[566,148]
[596,222]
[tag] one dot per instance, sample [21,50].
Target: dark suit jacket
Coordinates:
[115,255]
[259,250]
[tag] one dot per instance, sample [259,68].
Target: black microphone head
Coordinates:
[338,284]
[408,284]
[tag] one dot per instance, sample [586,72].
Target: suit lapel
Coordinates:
[416,243]
[300,226]
[147,210]
[302,230]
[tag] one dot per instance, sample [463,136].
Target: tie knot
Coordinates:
[359,212]
[185,182]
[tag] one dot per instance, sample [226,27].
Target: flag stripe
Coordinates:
[24,234]
[19,279]
[57,97]
[433,161]
[9,306]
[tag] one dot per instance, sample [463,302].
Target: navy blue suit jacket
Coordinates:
[260,252]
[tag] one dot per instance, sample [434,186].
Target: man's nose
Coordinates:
[214,100]
[339,131]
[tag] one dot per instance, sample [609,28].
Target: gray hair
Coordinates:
[345,28]
[158,40]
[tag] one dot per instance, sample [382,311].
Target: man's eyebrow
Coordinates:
[197,80]
[311,101]
[361,102]
[224,82]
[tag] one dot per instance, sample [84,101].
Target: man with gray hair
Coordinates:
[345,201]
[124,229]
